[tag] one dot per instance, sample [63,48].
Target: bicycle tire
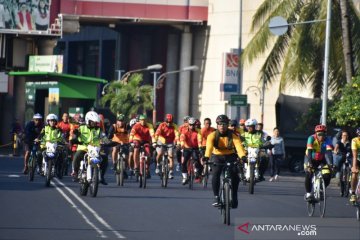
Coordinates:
[252,178]
[358,213]
[84,186]
[347,182]
[227,202]
[205,177]
[144,173]
[48,173]
[94,184]
[322,200]
[117,174]
[222,205]
[32,166]
[310,208]
[165,172]
[121,174]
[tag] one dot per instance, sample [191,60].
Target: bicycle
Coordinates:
[225,192]
[191,168]
[164,169]
[345,174]
[318,192]
[143,166]
[33,161]
[120,164]
[205,173]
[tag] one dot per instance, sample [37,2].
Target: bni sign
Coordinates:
[230,73]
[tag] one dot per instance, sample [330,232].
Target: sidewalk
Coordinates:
[7,151]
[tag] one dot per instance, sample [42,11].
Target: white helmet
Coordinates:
[191,121]
[250,122]
[92,116]
[51,116]
[132,122]
[37,116]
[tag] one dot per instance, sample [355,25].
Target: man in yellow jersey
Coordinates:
[355,147]
[220,146]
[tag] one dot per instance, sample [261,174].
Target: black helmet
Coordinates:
[222,119]
[233,123]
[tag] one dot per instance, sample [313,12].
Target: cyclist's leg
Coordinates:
[136,155]
[114,156]
[26,157]
[103,167]
[308,178]
[160,153]
[354,182]
[215,182]
[171,158]
[197,165]
[184,170]
[234,180]
[78,156]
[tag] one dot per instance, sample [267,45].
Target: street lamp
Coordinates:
[148,68]
[159,81]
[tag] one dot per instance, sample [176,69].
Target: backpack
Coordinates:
[230,140]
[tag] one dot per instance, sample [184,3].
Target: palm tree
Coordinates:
[128,98]
[299,54]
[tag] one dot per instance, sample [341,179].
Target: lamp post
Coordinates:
[148,68]
[158,84]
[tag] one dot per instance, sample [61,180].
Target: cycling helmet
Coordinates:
[37,116]
[51,116]
[192,121]
[92,116]
[198,123]
[222,119]
[358,131]
[320,128]
[169,118]
[120,117]
[137,118]
[233,123]
[132,122]
[186,118]
[142,117]
[250,122]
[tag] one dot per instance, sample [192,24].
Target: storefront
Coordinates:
[47,92]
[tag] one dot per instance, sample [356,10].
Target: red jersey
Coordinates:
[183,128]
[65,128]
[190,138]
[167,134]
[142,133]
[204,134]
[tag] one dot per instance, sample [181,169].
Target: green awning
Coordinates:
[71,86]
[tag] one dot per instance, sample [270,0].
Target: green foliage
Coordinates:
[298,55]
[346,110]
[128,98]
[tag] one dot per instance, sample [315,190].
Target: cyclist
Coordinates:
[32,131]
[205,131]
[264,154]
[355,147]
[233,127]
[190,140]
[318,151]
[119,134]
[50,133]
[89,134]
[65,126]
[167,133]
[197,124]
[253,138]
[179,155]
[221,146]
[242,128]
[142,133]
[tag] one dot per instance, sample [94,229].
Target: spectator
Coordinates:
[278,154]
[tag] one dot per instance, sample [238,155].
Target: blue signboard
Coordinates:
[228,87]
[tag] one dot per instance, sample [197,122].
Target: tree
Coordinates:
[128,98]
[299,54]
[346,110]
[349,70]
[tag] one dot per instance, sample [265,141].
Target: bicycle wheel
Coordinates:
[165,173]
[144,173]
[227,202]
[117,172]
[205,177]
[252,178]
[347,182]
[222,204]
[310,208]
[322,202]
[32,166]
[121,171]
[48,173]
[94,181]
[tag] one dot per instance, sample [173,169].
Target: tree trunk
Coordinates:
[347,46]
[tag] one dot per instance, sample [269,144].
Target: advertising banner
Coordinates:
[24,15]
[47,63]
[229,83]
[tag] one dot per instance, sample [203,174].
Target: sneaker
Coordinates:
[184,181]
[216,202]
[353,198]
[308,197]
[171,176]
[25,170]
[157,170]
[271,179]
[276,178]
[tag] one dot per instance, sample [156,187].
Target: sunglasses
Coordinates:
[320,134]
[222,124]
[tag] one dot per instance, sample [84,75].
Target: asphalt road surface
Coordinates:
[29,210]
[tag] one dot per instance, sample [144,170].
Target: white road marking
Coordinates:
[102,235]
[96,215]
[14,176]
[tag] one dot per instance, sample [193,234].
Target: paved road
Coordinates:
[32,211]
